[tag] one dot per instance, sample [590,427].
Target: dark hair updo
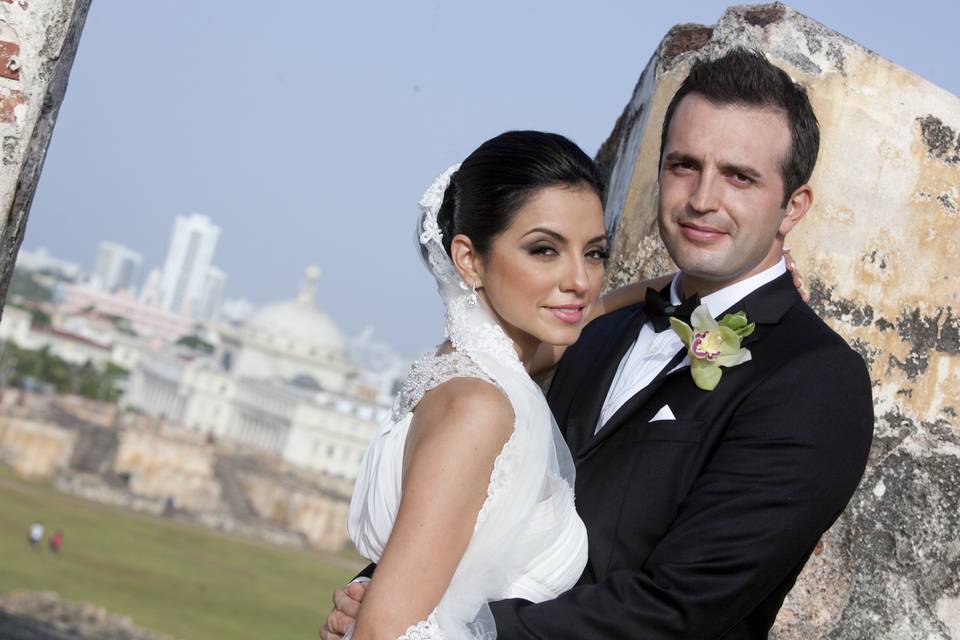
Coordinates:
[501,176]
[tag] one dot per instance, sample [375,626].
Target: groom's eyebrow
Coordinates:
[679,156]
[747,170]
[725,166]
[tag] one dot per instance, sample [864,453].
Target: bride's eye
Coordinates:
[542,250]
[600,254]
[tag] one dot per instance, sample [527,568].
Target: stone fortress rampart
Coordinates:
[91,450]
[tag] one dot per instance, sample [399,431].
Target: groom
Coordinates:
[703,506]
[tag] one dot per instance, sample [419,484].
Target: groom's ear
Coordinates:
[466,259]
[797,207]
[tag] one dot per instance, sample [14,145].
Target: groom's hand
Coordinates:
[346,606]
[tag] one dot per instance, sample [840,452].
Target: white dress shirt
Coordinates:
[651,351]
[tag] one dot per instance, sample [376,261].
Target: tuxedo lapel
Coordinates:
[633,405]
[589,396]
[765,306]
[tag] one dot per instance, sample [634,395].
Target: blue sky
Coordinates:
[308,130]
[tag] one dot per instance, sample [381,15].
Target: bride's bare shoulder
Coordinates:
[464,407]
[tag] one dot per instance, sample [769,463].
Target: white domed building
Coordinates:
[293,341]
[282,383]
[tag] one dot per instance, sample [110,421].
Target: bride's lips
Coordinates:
[569,313]
[700,233]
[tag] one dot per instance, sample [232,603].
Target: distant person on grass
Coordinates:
[56,541]
[35,534]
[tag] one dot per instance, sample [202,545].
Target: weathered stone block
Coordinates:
[284,502]
[163,467]
[34,449]
[38,42]
[876,251]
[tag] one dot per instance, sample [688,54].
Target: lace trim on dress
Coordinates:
[432,371]
[499,476]
[470,334]
[424,630]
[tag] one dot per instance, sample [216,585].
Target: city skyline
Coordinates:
[309,136]
[185,282]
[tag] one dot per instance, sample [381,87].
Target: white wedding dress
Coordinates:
[528,541]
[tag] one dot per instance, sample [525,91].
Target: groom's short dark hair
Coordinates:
[745,77]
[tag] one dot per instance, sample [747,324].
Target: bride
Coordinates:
[466,495]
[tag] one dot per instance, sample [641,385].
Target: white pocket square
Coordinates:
[663,414]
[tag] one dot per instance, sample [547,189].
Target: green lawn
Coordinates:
[186,581]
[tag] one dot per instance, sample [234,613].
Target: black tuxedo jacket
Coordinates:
[699,526]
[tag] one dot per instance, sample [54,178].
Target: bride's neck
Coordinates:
[527,353]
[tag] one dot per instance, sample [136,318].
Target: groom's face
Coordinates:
[721,191]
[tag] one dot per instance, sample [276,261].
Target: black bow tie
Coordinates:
[659,309]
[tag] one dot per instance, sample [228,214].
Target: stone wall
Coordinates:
[38,42]
[93,412]
[26,615]
[876,251]
[159,466]
[320,517]
[34,449]
[140,465]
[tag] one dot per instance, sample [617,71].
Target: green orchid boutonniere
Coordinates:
[713,344]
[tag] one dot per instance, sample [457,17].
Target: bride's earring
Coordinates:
[472,299]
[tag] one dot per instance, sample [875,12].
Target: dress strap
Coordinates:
[432,371]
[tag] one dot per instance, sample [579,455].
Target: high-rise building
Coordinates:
[116,268]
[189,254]
[212,296]
[151,294]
